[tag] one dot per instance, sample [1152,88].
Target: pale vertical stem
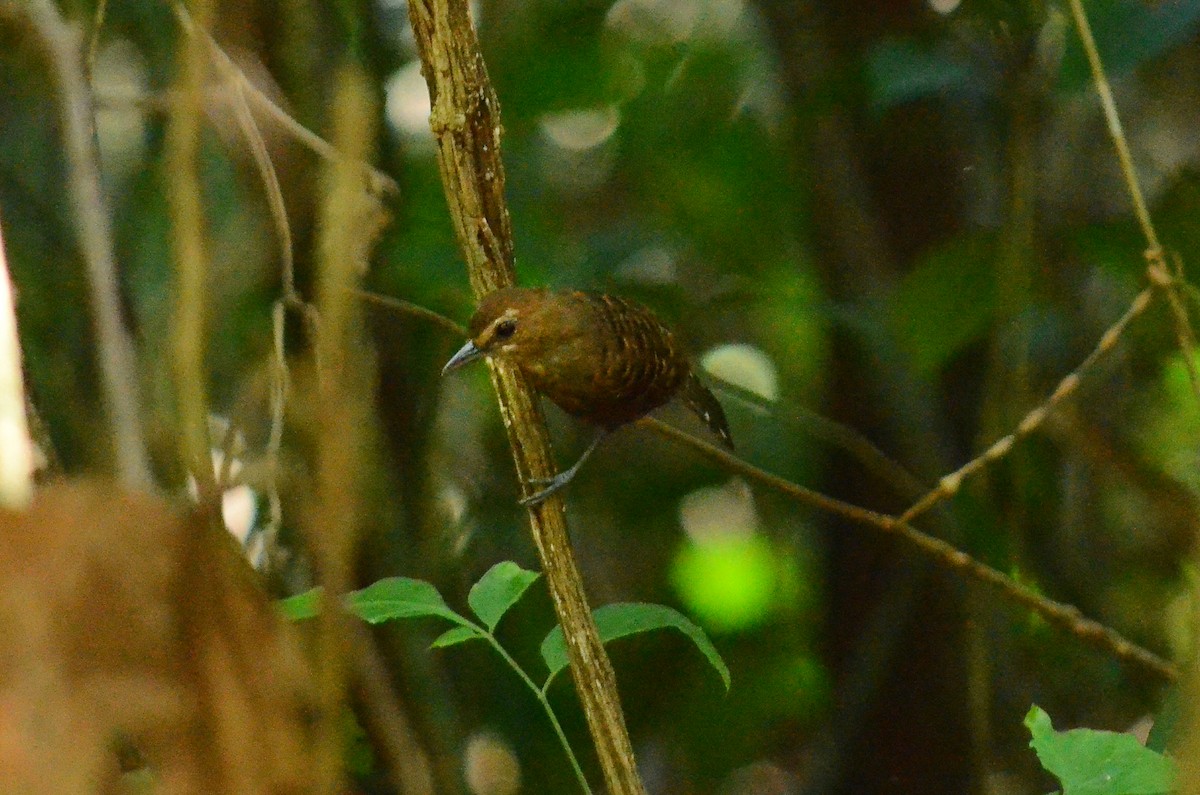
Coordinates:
[184,199]
[16,447]
[1115,130]
[115,355]
[342,410]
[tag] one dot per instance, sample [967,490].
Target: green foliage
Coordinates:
[400,597]
[498,590]
[490,599]
[501,587]
[621,620]
[455,636]
[1167,721]
[1170,420]
[750,198]
[1090,762]
[302,606]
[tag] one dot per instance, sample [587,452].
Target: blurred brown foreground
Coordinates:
[130,636]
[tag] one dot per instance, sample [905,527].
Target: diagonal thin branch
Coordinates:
[949,485]
[1062,615]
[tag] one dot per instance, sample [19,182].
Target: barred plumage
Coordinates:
[604,359]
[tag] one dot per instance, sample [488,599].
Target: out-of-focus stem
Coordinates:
[16,446]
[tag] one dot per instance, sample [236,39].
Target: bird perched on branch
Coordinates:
[603,359]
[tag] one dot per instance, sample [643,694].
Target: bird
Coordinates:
[603,359]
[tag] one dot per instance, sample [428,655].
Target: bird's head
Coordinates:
[511,323]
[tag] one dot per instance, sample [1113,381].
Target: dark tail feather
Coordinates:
[696,397]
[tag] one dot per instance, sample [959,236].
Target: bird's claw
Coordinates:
[551,485]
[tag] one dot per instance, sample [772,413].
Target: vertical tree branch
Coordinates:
[114,347]
[186,210]
[466,125]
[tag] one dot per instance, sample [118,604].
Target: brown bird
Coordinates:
[603,359]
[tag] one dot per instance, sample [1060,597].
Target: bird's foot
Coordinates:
[551,485]
[562,478]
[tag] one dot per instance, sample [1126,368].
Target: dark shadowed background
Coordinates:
[904,217]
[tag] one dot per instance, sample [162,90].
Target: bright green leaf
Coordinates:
[619,620]
[1090,762]
[392,598]
[400,597]
[498,590]
[456,635]
[301,606]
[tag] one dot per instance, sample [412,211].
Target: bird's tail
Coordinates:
[697,397]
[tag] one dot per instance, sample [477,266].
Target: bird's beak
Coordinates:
[466,354]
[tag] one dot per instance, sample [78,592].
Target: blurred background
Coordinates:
[904,217]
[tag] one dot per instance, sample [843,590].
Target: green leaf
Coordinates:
[619,620]
[498,590]
[301,606]
[400,597]
[1090,762]
[455,636]
[385,600]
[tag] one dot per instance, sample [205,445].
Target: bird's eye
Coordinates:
[505,329]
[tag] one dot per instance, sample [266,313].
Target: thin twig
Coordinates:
[378,182]
[1169,282]
[94,39]
[1115,129]
[279,389]
[416,310]
[240,89]
[950,484]
[1159,273]
[1059,614]
[115,355]
[833,433]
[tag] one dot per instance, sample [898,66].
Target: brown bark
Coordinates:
[466,125]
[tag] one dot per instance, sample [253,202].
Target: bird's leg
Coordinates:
[562,478]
